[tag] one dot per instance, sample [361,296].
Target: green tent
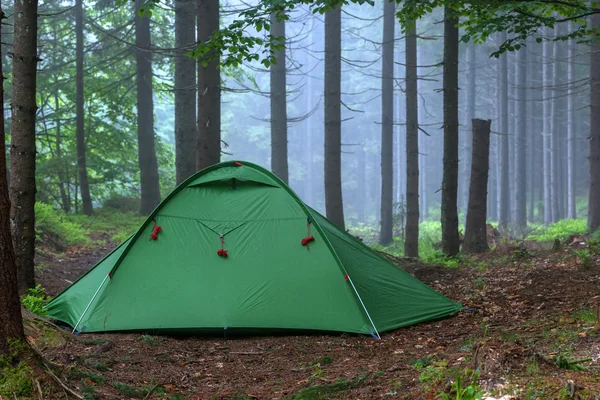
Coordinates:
[234,247]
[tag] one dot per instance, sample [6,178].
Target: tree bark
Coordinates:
[22,178]
[547,55]
[554,162]
[520,218]
[594,199]
[150,189]
[11,325]
[411,242]
[469,116]
[475,230]
[63,182]
[333,124]
[185,90]
[571,129]
[387,124]
[86,198]
[504,190]
[279,135]
[450,240]
[208,146]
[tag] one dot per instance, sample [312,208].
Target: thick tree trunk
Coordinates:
[594,199]
[208,146]
[11,325]
[571,129]
[387,124]
[503,190]
[450,241]
[22,178]
[520,217]
[469,116]
[185,90]
[411,243]
[309,197]
[279,135]
[333,124]
[150,189]
[475,230]
[547,131]
[86,198]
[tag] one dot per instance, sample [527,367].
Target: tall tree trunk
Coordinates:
[594,199]
[547,112]
[185,90]
[208,146]
[571,129]
[503,190]
[279,135]
[469,116]
[22,177]
[475,231]
[532,68]
[150,188]
[333,124]
[450,241]
[521,142]
[86,198]
[411,242]
[309,197]
[554,162]
[63,181]
[387,124]
[11,325]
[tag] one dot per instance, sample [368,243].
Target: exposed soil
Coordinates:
[526,315]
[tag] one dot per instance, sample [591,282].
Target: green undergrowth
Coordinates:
[558,230]
[327,390]
[48,220]
[115,224]
[15,377]
[36,300]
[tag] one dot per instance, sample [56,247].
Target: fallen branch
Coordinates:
[65,387]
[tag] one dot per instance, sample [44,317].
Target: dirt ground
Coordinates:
[528,326]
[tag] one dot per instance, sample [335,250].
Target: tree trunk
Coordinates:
[149,182]
[554,169]
[503,190]
[547,112]
[450,241]
[333,124]
[387,124]
[86,198]
[63,181]
[185,90]
[279,136]
[11,325]
[208,146]
[469,116]
[475,231]
[520,218]
[571,129]
[22,182]
[411,242]
[594,200]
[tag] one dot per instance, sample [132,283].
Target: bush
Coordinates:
[36,301]
[559,230]
[55,222]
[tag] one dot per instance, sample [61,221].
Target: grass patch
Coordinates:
[92,341]
[58,223]
[148,339]
[96,378]
[128,390]
[110,222]
[326,391]
[559,230]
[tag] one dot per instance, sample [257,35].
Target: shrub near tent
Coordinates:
[234,247]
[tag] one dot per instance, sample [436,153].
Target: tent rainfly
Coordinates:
[234,247]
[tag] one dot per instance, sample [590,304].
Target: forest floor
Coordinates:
[529,329]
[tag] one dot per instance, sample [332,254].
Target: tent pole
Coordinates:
[90,303]
[365,308]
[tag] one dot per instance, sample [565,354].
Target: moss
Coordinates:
[15,374]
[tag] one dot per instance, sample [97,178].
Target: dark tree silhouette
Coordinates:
[450,240]
[504,192]
[475,230]
[22,177]
[279,135]
[594,199]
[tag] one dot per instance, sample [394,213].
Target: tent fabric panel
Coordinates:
[392,296]
[229,172]
[70,304]
[268,281]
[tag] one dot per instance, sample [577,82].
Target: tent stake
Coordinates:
[90,303]
[365,308]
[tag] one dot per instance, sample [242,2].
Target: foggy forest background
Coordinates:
[540,89]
